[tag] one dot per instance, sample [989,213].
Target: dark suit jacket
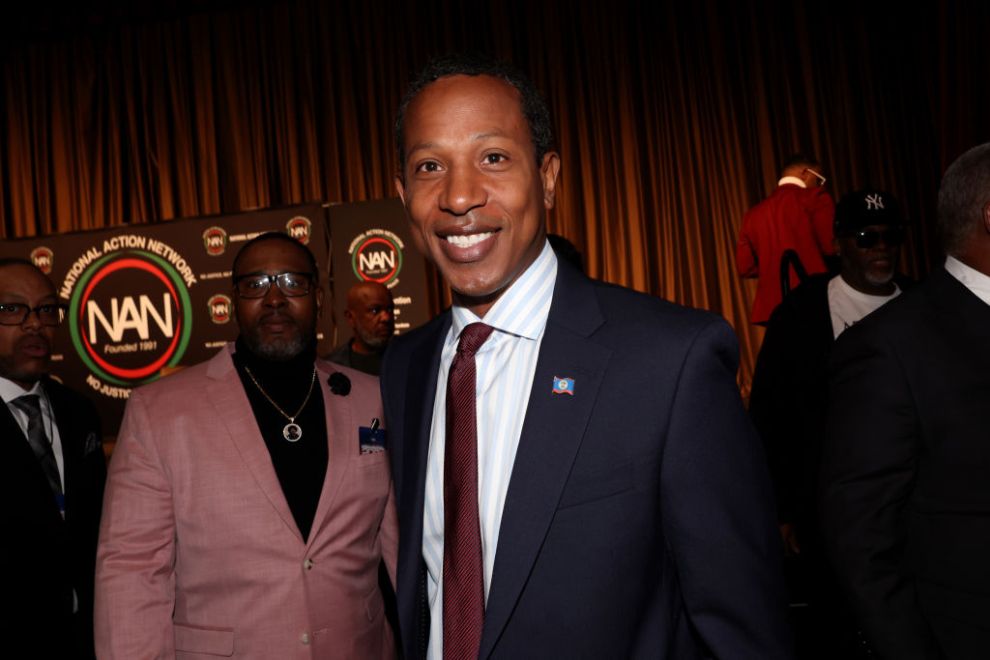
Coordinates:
[638,520]
[906,472]
[789,399]
[789,396]
[46,557]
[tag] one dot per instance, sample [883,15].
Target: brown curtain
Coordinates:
[672,118]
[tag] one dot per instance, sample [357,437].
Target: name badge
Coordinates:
[371,440]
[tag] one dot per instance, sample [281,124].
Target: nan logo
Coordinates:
[215,241]
[376,256]
[220,306]
[43,258]
[130,316]
[299,228]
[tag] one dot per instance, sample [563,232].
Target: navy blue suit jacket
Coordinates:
[638,520]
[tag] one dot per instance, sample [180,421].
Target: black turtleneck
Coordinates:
[301,466]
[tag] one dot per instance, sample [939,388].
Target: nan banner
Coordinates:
[145,300]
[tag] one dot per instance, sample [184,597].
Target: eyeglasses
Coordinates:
[866,239]
[17,313]
[821,179]
[256,285]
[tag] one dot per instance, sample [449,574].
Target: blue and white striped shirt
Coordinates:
[505,367]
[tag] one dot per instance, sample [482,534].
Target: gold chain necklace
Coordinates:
[291,431]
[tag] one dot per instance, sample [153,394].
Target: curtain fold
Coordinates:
[672,118]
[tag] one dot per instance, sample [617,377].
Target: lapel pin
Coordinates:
[563,385]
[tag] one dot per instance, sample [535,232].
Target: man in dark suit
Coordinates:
[51,478]
[789,401]
[574,470]
[906,494]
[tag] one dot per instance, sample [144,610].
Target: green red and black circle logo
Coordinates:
[43,258]
[376,256]
[129,317]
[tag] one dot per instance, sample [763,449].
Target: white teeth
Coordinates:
[469,239]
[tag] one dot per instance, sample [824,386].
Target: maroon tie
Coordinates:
[463,575]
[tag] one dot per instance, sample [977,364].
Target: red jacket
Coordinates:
[792,218]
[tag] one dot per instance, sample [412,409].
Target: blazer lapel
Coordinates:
[232,408]
[415,392]
[551,436]
[341,447]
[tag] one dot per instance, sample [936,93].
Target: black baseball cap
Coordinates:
[864,208]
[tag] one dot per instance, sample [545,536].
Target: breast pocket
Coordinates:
[195,640]
[608,481]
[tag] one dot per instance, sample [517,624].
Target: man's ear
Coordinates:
[549,169]
[319,302]
[400,188]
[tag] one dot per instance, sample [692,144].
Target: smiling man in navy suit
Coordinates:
[576,476]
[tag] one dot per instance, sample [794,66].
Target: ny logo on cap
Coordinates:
[874,202]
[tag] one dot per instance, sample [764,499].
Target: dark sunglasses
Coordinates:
[866,239]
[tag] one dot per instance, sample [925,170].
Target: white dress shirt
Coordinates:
[505,365]
[972,279]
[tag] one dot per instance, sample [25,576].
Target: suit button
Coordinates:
[304,638]
[308,564]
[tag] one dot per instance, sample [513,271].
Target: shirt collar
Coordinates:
[10,390]
[972,279]
[856,294]
[793,180]
[524,307]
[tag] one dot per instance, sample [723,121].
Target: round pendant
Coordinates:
[292,432]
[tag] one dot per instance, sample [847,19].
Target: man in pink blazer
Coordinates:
[249,504]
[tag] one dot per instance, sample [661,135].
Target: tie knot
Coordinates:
[472,337]
[29,403]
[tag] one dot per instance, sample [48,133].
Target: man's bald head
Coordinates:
[371,314]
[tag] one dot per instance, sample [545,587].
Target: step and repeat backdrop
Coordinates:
[145,300]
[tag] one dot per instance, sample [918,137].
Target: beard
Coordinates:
[280,348]
[879,277]
[371,340]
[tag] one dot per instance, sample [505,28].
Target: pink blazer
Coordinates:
[199,555]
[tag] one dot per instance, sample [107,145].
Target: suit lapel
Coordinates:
[342,447]
[551,436]
[234,411]
[417,390]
